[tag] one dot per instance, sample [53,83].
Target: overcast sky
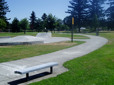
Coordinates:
[23,8]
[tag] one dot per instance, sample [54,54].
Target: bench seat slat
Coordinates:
[35,68]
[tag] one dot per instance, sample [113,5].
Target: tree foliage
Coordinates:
[24,24]
[78,10]
[85,12]
[51,21]
[2,24]
[38,25]
[3,9]
[110,15]
[44,17]
[95,8]
[95,22]
[32,20]
[15,25]
[68,21]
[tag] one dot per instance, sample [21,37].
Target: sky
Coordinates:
[23,8]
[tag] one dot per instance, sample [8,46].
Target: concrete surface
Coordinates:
[23,40]
[44,35]
[7,76]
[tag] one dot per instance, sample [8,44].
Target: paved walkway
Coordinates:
[7,76]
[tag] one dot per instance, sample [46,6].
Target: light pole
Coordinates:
[72,29]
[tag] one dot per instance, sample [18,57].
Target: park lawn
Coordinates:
[95,68]
[68,35]
[10,53]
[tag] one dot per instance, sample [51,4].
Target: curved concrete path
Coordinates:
[7,76]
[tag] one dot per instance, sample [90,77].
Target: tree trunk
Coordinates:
[24,31]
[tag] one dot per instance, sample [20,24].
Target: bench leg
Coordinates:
[27,76]
[51,69]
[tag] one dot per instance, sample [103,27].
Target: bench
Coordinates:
[35,68]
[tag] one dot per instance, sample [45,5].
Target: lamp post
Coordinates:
[72,29]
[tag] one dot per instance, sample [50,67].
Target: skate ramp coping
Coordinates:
[44,35]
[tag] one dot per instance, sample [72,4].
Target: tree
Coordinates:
[32,20]
[95,12]
[23,24]
[95,8]
[78,10]
[65,27]
[44,22]
[44,17]
[15,25]
[58,24]
[68,21]
[110,15]
[38,25]
[2,24]
[51,22]
[3,9]
[96,24]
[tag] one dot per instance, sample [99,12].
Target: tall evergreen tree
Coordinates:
[95,8]
[44,17]
[15,25]
[3,9]
[95,12]
[110,14]
[78,10]
[32,20]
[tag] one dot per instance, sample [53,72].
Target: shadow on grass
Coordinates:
[24,80]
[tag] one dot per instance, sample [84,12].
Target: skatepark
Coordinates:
[40,38]
[7,76]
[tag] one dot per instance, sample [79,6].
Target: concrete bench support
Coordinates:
[35,68]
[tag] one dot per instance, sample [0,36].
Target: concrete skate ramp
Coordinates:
[44,35]
[5,37]
[21,40]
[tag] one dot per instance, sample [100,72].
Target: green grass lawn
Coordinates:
[10,53]
[68,35]
[95,68]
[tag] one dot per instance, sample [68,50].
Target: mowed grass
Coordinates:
[10,53]
[68,35]
[95,68]
[18,34]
